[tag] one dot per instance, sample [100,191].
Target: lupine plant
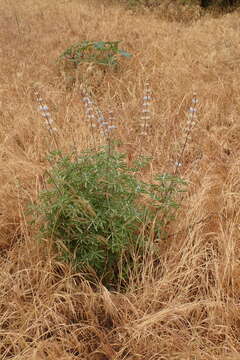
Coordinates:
[95,208]
[98,212]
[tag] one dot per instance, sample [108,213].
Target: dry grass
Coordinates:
[189,307]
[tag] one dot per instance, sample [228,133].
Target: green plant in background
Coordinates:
[96,52]
[99,214]
[88,61]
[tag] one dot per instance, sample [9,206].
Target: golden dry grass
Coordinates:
[188,306]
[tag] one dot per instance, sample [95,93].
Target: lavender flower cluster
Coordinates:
[96,117]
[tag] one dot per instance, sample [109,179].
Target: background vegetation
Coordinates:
[186,304]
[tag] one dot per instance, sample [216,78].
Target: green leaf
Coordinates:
[99,45]
[124,53]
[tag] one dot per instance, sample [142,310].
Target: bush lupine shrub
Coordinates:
[98,213]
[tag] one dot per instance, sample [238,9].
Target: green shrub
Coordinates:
[88,62]
[100,214]
[96,52]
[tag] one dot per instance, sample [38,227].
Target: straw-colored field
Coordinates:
[188,307]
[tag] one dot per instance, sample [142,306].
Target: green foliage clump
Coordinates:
[99,214]
[96,52]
